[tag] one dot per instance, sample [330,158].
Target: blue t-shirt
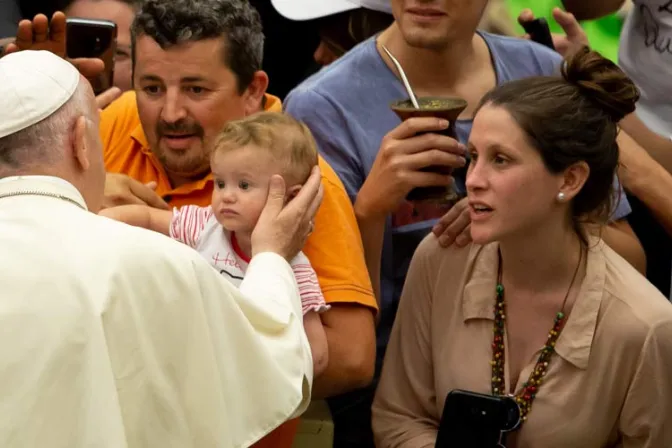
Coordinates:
[347,107]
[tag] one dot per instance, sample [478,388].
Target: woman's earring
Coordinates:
[561,196]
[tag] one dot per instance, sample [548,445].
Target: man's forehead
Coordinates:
[204,52]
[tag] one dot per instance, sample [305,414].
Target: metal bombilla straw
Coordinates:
[403,77]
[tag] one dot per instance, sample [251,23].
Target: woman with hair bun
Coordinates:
[537,307]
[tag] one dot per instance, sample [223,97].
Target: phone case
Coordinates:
[88,38]
[539,32]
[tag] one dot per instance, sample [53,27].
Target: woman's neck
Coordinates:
[435,71]
[541,261]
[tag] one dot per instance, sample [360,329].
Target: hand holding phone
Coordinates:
[539,31]
[87,38]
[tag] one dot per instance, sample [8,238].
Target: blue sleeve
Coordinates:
[550,61]
[330,128]
[517,58]
[622,208]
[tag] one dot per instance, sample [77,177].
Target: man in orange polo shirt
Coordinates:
[197,64]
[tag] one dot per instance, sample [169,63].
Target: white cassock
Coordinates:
[115,336]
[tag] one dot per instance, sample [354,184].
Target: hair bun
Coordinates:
[602,81]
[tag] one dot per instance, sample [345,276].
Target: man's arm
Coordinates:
[351,339]
[372,228]
[619,236]
[646,179]
[404,413]
[335,251]
[592,9]
[659,147]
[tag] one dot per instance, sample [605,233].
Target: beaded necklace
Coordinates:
[528,392]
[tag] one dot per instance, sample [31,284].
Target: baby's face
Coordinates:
[241,179]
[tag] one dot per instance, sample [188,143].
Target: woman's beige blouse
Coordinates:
[608,385]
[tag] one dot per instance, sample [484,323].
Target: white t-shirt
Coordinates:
[197,227]
[645,54]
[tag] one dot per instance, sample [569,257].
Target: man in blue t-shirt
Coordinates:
[379,159]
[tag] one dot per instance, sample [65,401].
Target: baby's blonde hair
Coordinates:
[289,141]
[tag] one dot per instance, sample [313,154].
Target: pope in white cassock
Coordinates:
[113,336]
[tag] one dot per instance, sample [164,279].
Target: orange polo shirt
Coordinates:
[334,248]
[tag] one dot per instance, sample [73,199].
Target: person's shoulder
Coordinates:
[272,103]
[337,77]
[451,259]
[336,208]
[517,46]
[330,180]
[120,117]
[521,57]
[640,306]
[121,132]
[123,108]
[335,247]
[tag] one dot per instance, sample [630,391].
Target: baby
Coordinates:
[246,154]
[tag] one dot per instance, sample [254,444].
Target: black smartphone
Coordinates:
[473,420]
[539,32]
[88,38]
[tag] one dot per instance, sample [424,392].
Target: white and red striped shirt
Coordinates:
[197,227]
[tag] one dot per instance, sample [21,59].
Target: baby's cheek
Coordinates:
[256,205]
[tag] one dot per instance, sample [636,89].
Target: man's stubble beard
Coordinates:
[189,167]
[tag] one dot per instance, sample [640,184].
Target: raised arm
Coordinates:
[619,235]
[658,147]
[646,179]
[404,410]
[335,251]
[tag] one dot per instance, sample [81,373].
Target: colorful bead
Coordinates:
[526,395]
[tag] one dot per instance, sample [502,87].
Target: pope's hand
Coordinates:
[123,190]
[284,227]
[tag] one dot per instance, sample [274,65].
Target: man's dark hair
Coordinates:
[173,22]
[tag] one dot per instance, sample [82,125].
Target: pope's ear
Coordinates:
[79,143]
